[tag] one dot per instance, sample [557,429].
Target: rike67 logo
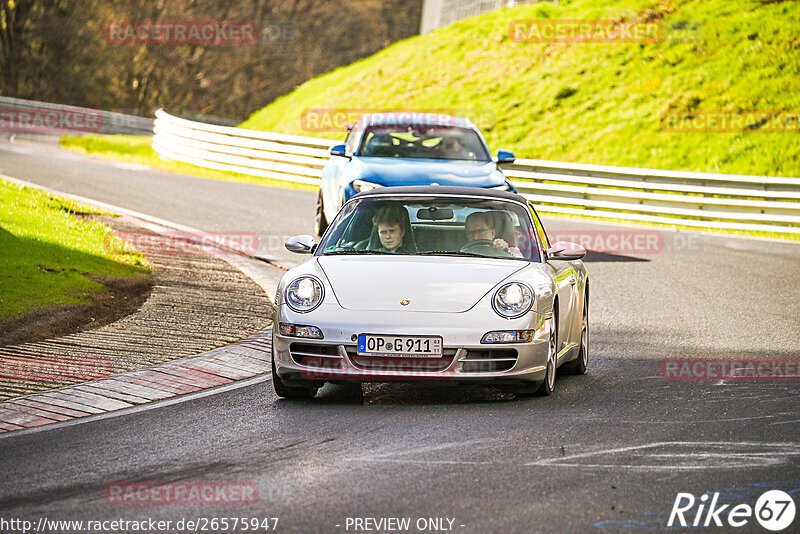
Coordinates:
[774,510]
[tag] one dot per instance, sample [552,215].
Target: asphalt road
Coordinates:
[609,451]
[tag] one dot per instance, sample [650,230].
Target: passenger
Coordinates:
[391,224]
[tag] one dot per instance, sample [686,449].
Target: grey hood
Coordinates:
[431,284]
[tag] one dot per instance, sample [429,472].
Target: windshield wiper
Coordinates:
[451,253]
[353,251]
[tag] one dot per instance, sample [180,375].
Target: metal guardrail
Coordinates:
[703,200]
[270,155]
[438,13]
[28,116]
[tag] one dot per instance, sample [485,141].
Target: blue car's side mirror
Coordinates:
[339,150]
[505,156]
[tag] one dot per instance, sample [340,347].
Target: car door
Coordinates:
[565,279]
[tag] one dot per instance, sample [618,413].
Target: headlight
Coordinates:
[360,186]
[304,294]
[513,300]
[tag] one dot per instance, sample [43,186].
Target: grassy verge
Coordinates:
[136,149]
[49,256]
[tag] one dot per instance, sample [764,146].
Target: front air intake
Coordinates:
[317,355]
[488,361]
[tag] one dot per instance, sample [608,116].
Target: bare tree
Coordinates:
[60,50]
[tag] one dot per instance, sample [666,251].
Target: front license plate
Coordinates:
[400,346]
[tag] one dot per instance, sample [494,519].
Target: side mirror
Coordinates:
[505,156]
[301,244]
[338,150]
[564,250]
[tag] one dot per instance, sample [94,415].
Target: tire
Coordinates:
[320,223]
[549,383]
[578,366]
[288,392]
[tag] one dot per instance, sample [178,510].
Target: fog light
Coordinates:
[299,330]
[509,336]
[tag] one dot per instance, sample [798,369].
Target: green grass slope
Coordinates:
[599,103]
[48,256]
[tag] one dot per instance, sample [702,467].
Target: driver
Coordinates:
[479,226]
[453,148]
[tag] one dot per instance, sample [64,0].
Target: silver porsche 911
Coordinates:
[432,283]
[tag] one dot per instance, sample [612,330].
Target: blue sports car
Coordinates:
[395,149]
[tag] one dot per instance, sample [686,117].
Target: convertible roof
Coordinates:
[414,117]
[435,190]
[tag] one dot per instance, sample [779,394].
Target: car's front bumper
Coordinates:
[465,359]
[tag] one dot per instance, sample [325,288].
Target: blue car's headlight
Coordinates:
[513,300]
[304,294]
[361,185]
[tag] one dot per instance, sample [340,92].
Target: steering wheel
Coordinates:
[486,247]
[477,244]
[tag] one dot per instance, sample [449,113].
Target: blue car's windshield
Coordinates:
[419,141]
[436,226]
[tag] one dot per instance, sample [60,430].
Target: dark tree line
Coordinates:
[60,51]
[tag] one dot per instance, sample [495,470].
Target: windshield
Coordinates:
[417,141]
[433,226]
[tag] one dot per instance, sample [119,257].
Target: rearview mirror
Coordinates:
[301,244]
[434,214]
[505,156]
[564,250]
[338,150]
